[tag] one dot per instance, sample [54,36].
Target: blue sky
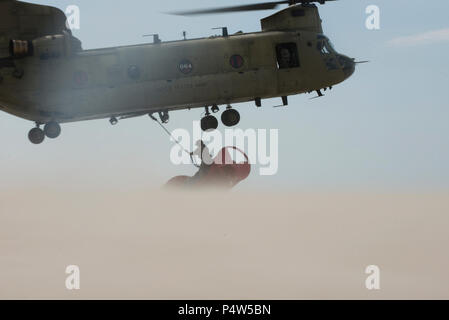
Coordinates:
[386,128]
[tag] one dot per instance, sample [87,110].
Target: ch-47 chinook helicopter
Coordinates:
[47,78]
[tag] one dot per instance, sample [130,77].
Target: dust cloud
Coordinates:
[152,244]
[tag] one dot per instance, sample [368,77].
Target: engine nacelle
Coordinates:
[300,17]
[50,47]
[20,48]
[44,48]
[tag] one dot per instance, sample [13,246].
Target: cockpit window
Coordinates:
[330,45]
[324,45]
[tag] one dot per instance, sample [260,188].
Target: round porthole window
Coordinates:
[237,61]
[80,78]
[134,72]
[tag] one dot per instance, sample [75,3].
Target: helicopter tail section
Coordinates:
[27,22]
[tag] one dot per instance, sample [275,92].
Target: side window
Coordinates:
[287,55]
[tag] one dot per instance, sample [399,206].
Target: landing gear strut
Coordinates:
[215,109]
[230,117]
[164,116]
[209,122]
[113,121]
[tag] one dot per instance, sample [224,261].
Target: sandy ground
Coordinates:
[154,245]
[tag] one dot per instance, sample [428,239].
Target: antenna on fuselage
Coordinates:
[224,31]
[155,36]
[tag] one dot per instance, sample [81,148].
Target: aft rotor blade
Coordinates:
[249,7]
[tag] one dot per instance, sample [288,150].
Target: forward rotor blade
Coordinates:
[249,7]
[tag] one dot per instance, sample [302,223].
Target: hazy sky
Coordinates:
[386,128]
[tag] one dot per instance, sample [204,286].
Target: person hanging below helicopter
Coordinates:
[202,152]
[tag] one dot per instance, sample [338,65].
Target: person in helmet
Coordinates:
[202,152]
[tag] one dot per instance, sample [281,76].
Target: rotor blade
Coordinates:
[249,7]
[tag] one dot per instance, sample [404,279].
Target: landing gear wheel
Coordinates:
[209,123]
[52,130]
[230,118]
[36,136]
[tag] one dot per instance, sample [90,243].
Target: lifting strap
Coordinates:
[173,138]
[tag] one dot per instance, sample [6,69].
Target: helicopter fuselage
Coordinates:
[47,78]
[120,81]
